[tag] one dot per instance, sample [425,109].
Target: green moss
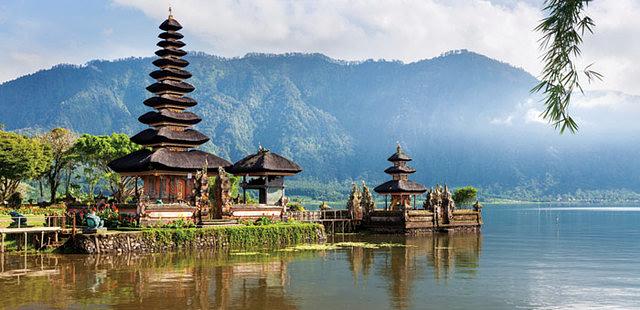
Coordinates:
[273,235]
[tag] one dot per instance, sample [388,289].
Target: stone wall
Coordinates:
[162,240]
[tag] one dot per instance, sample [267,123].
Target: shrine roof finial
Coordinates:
[170,12]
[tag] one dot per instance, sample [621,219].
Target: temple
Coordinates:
[266,171]
[400,188]
[168,163]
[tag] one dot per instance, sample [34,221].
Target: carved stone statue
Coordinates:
[440,202]
[94,221]
[222,197]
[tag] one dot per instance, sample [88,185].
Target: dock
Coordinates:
[25,231]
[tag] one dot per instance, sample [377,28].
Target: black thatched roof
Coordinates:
[172,43]
[165,159]
[171,86]
[170,73]
[168,116]
[176,62]
[265,162]
[400,169]
[170,24]
[400,186]
[164,100]
[153,136]
[169,35]
[399,155]
[170,52]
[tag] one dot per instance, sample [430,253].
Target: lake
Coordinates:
[528,256]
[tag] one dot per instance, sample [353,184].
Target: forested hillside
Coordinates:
[465,118]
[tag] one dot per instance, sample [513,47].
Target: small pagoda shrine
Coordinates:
[265,171]
[400,188]
[169,163]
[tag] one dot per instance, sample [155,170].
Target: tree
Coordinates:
[60,141]
[562,32]
[96,153]
[465,195]
[21,158]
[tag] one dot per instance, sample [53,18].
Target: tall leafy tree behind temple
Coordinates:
[60,141]
[95,153]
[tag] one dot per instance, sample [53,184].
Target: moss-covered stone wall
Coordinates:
[169,239]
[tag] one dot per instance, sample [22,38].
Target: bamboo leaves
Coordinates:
[562,31]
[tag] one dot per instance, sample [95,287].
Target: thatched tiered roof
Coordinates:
[265,162]
[400,184]
[170,137]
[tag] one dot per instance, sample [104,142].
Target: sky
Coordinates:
[39,34]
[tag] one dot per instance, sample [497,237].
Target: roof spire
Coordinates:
[170,12]
[398,148]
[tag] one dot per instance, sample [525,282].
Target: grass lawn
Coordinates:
[32,220]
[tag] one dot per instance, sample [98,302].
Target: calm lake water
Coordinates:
[546,257]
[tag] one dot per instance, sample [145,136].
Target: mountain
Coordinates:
[465,118]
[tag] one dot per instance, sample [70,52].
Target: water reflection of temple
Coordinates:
[443,255]
[219,281]
[197,280]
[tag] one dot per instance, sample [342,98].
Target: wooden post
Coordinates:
[42,239]
[244,190]
[2,247]
[25,242]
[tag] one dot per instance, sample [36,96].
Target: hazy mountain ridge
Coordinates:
[465,118]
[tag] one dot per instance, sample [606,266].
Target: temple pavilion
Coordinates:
[400,188]
[169,161]
[264,171]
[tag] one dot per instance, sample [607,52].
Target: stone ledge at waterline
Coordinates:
[164,239]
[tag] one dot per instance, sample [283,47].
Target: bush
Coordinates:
[295,206]
[15,200]
[179,223]
[465,195]
[264,221]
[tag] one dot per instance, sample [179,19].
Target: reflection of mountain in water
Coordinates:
[447,255]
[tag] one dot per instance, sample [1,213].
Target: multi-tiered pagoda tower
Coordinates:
[400,188]
[168,163]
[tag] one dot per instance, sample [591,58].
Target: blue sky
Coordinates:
[39,34]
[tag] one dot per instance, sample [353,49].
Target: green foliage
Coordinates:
[295,206]
[465,195]
[36,210]
[60,141]
[96,153]
[110,216]
[562,32]
[264,221]
[239,237]
[15,200]
[179,223]
[21,158]
[324,206]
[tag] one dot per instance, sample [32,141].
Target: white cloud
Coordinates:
[508,120]
[534,116]
[408,30]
